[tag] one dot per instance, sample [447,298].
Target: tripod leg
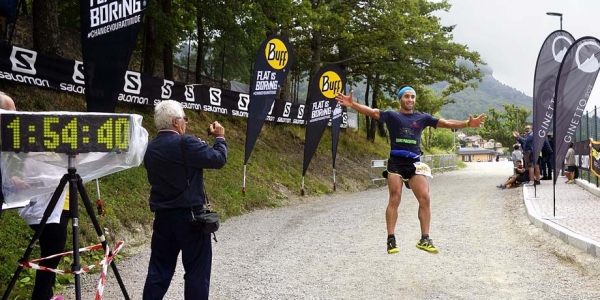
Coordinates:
[74,211]
[90,210]
[47,213]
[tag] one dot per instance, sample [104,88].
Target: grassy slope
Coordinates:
[274,177]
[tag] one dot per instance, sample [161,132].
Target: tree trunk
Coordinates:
[286,88]
[368,120]
[45,27]
[168,45]
[150,52]
[376,91]
[315,48]
[373,128]
[200,42]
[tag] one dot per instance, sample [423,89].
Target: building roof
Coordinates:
[473,138]
[469,150]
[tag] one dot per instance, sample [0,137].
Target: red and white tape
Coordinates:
[104,262]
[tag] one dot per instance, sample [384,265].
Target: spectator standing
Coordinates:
[174,197]
[570,164]
[549,158]
[517,155]
[527,147]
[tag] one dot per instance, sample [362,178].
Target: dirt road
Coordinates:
[333,247]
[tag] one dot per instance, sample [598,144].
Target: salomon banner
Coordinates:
[273,62]
[109,30]
[546,70]
[328,81]
[576,78]
[27,67]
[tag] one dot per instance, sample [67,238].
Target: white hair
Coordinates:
[165,112]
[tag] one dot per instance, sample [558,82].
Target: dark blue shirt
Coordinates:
[165,165]
[527,142]
[405,129]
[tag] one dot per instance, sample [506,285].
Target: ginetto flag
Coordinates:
[546,70]
[109,30]
[328,81]
[273,62]
[576,78]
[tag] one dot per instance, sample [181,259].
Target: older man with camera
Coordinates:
[175,164]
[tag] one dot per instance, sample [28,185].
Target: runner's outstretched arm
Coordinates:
[348,101]
[457,124]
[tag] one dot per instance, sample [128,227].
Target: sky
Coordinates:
[508,34]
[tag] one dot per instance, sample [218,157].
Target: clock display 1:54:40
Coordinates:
[65,133]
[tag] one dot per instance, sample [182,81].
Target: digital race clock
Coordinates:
[65,133]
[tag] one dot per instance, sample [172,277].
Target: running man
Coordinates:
[405,128]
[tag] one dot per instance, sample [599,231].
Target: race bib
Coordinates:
[423,169]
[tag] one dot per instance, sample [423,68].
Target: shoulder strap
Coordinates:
[187,176]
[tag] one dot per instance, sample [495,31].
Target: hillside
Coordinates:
[274,175]
[490,93]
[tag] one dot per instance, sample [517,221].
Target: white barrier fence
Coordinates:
[435,162]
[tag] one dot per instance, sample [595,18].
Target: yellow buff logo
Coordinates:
[277,54]
[330,84]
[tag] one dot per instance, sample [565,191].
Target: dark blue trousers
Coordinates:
[172,234]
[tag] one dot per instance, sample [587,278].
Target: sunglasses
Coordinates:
[184,118]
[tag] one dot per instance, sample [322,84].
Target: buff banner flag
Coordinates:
[551,55]
[273,62]
[109,30]
[576,78]
[595,157]
[328,81]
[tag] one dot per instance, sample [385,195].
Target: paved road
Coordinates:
[333,247]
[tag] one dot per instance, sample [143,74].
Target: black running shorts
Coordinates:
[403,166]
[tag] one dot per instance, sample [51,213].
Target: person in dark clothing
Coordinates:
[521,175]
[547,155]
[550,158]
[405,128]
[173,197]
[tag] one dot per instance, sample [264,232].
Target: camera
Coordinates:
[208,132]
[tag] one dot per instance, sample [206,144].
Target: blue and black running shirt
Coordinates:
[405,129]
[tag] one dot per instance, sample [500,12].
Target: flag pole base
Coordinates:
[554,217]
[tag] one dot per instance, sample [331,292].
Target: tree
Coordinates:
[402,42]
[500,125]
[45,27]
[429,102]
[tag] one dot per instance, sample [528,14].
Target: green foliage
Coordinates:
[501,125]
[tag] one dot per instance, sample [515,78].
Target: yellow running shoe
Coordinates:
[427,245]
[391,245]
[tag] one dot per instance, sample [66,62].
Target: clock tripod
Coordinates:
[75,186]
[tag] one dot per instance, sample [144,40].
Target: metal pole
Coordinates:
[560,22]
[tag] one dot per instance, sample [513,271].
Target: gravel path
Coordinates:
[333,247]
